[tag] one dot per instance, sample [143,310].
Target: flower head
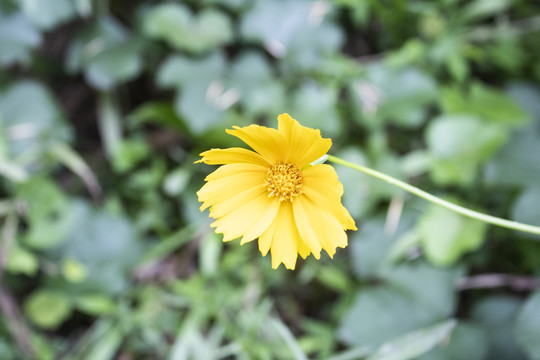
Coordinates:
[275,195]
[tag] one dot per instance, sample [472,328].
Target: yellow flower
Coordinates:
[273,193]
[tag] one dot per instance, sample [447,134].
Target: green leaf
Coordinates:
[183,30]
[527,96]
[527,326]
[480,9]
[99,342]
[182,72]
[335,278]
[17,38]
[106,53]
[95,304]
[517,163]
[411,52]
[176,181]
[260,93]
[398,96]
[47,14]
[468,342]
[311,45]
[414,344]
[155,112]
[203,112]
[489,104]
[314,105]
[381,313]
[370,246]
[49,214]
[114,65]
[13,172]
[106,343]
[288,30]
[7,350]
[414,278]
[105,244]
[73,270]
[446,236]
[204,96]
[496,313]
[35,127]
[21,261]
[459,144]
[525,208]
[129,153]
[275,24]
[47,308]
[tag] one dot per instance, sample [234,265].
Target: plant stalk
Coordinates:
[514,225]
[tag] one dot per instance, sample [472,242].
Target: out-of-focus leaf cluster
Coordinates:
[105,105]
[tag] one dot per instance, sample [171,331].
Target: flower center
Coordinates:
[284,181]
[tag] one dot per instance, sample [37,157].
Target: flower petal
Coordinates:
[236,201]
[237,222]
[325,227]
[305,145]
[282,239]
[285,238]
[268,142]
[232,155]
[263,222]
[305,227]
[303,249]
[321,185]
[230,180]
[266,238]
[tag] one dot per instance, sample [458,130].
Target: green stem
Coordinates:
[431,198]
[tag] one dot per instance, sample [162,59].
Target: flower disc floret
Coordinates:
[284,181]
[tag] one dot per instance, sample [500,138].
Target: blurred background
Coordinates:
[105,105]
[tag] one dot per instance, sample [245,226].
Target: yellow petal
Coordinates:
[236,169]
[263,222]
[265,239]
[230,180]
[305,227]
[237,222]
[303,249]
[236,201]
[269,143]
[305,145]
[321,185]
[232,155]
[327,229]
[285,239]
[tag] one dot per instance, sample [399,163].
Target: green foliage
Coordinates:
[401,299]
[458,236]
[18,37]
[105,106]
[177,25]
[527,328]
[56,304]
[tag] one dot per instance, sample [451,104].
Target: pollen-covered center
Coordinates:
[284,181]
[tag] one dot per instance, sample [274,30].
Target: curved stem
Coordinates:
[431,198]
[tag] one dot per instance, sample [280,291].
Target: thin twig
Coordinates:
[8,306]
[6,238]
[488,281]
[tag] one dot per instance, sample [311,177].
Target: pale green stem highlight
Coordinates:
[431,198]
